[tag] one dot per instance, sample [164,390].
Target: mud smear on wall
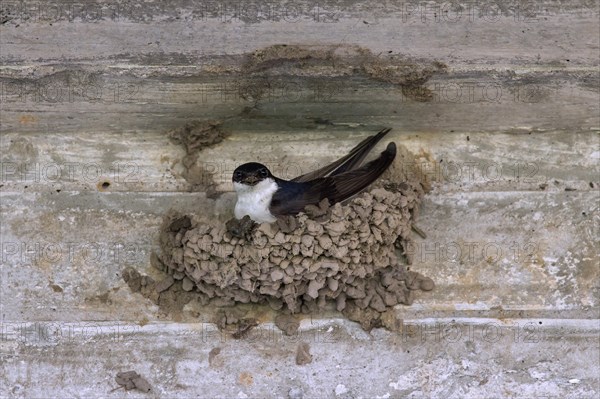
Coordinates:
[194,136]
[265,67]
[347,255]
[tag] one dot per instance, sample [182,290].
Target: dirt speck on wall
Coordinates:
[303,355]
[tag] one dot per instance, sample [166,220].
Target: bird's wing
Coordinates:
[292,196]
[346,163]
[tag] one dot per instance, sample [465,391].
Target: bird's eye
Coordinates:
[237,175]
[263,172]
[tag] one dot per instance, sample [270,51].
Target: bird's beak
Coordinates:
[251,180]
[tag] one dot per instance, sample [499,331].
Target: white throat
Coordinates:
[254,200]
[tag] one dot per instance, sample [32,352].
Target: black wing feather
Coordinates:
[294,196]
[348,162]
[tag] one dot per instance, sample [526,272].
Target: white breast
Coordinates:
[254,200]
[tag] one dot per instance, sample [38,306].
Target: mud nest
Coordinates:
[344,253]
[348,255]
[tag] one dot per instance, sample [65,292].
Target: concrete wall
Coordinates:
[501,97]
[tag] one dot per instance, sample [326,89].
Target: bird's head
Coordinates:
[250,174]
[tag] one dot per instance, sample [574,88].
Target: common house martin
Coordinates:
[265,197]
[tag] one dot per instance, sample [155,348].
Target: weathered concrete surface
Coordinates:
[509,126]
[464,358]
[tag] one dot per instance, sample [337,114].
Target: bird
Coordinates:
[265,197]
